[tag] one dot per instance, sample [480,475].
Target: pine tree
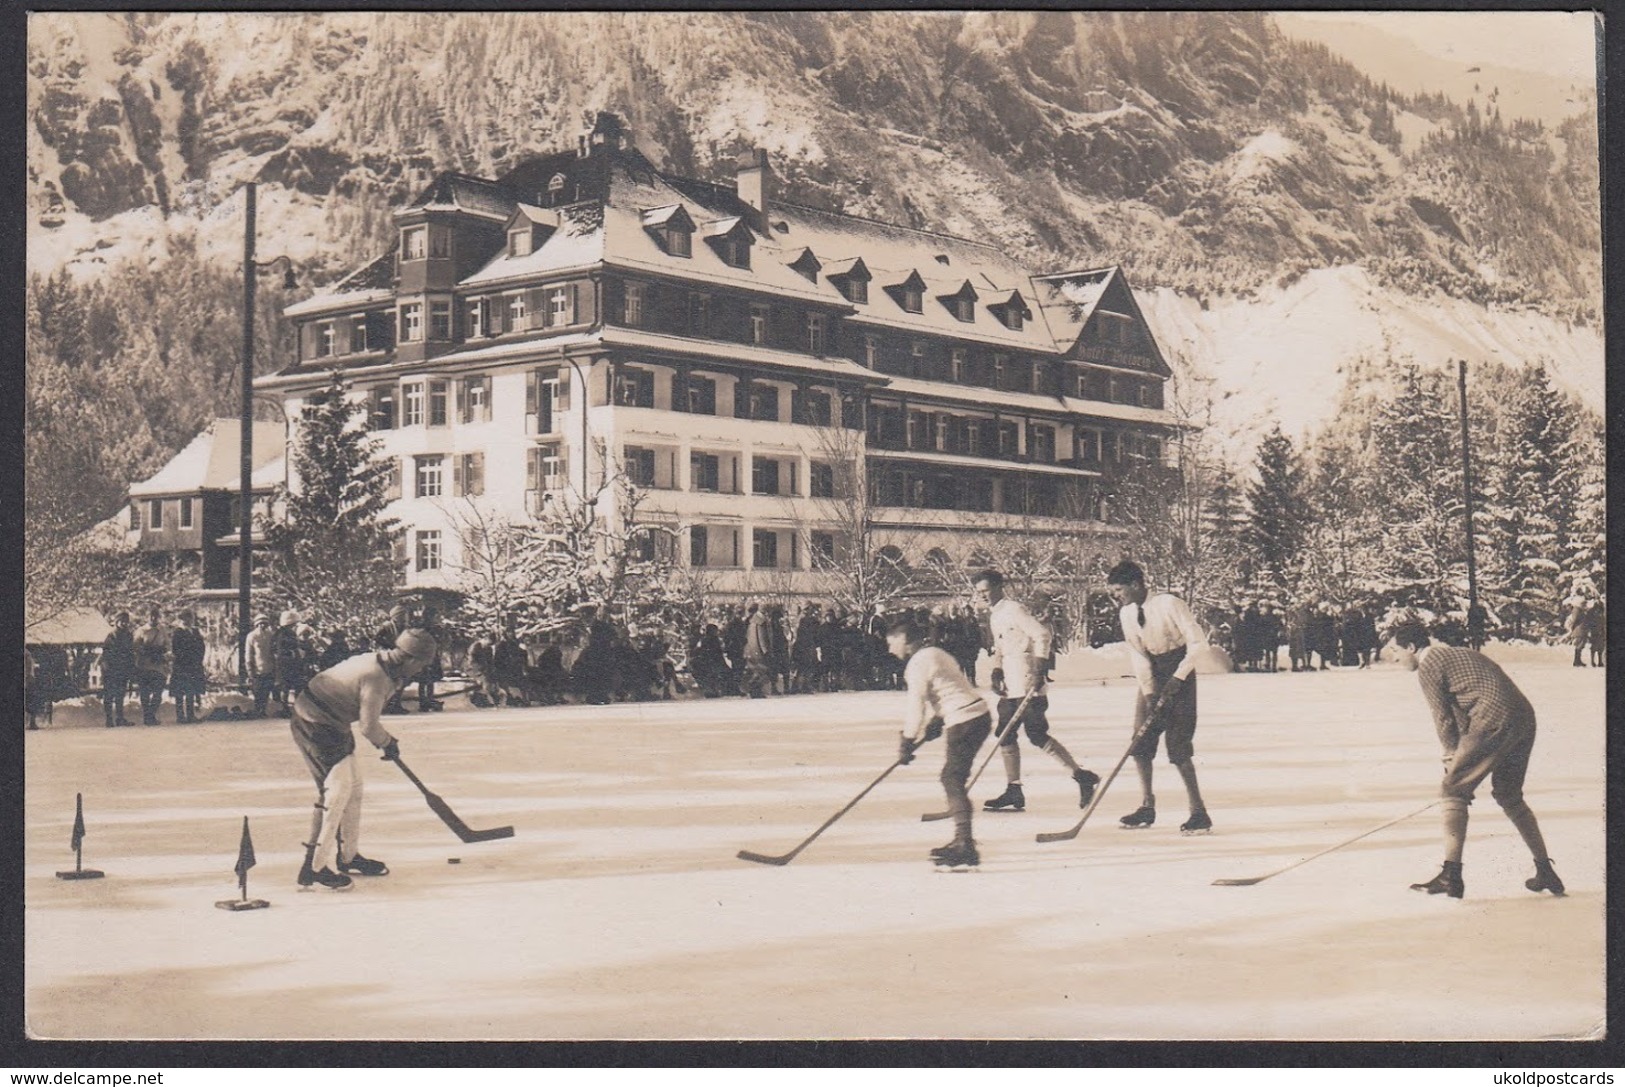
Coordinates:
[1585,543]
[333,553]
[1276,513]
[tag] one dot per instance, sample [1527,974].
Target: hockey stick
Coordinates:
[1015,719]
[761,858]
[1322,853]
[463,831]
[1100,793]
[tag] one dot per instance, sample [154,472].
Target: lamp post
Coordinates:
[245,528]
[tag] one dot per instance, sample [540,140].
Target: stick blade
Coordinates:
[492,835]
[759,858]
[1058,836]
[935,816]
[1239,882]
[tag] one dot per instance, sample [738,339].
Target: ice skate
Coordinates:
[1009,800]
[1447,882]
[1198,823]
[956,854]
[1143,816]
[1545,879]
[309,879]
[361,866]
[1087,780]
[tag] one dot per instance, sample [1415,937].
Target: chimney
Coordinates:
[755,185]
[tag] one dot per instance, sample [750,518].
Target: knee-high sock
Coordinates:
[317,811]
[1455,827]
[1012,763]
[1142,766]
[1053,747]
[1187,774]
[339,791]
[1528,827]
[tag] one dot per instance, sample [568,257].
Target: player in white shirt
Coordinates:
[1163,637]
[1022,659]
[941,701]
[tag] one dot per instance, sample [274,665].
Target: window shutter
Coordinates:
[570,312]
[394,490]
[457,477]
[532,391]
[533,469]
[563,401]
[462,400]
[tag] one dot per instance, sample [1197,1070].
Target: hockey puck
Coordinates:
[454,860]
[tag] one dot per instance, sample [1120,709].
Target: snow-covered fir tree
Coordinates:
[333,554]
[1277,517]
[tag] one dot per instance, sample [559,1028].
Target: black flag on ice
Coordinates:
[245,857]
[78,820]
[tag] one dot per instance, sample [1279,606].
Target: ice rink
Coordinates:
[619,909]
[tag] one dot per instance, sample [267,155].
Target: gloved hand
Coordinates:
[1165,697]
[905,750]
[997,682]
[1048,666]
[392,750]
[933,729]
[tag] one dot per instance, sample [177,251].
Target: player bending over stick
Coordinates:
[941,701]
[1487,730]
[352,691]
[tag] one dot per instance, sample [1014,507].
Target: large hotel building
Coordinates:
[741,360]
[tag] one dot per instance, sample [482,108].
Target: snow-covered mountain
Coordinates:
[1281,213]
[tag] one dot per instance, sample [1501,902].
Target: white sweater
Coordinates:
[937,688]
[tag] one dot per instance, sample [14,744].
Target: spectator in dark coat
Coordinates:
[733,644]
[292,656]
[1322,635]
[804,653]
[708,662]
[778,648]
[509,664]
[594,672]
[151,644]
[187,677]
[338,649]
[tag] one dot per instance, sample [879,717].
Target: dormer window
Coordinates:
[555,190]
[414,243]
[731,239]
[962,303]
[1012,313]
[671,228]
[909,294]
[808,265]
[851,278]
[855,290]
[519,241]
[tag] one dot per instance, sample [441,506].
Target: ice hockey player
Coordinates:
[1487,730]
[1021,664]
[941,701]
[1162,637]
[354,691]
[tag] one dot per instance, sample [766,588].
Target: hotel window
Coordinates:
[855,289]
[917,430]
[916,358]
[735,252]
[764,549]
[412,322]
[186,513]
[956,365]
[703,472]
[474,405]
[821,546]
[702,395]
[998,371]
[973,436]
[764,402]
[699,314]
[325,344]
[871,352]
[632,305]
[431,477]
[1008,438]
[1144,392]
[758,324]
[439,395]
[678,243]
[468,474]
[820,480]
[517,313]
[474,318]
[815,333]
[383,408]
[764,475]
[1041,443]
[439,242]
[634,388]
[640,466]
[155,513]
[1012,317]
[1113,391]
[440,320]
[358,333]
[943,425]
[1089,446]
[815,408]
[412,404]
[551,459]
[965,308]
[414,243]
[1038,376]
[699,546]
[561,306]
[519,242]
[912,299]
[428,549]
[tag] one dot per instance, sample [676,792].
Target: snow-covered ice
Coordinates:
[620,910]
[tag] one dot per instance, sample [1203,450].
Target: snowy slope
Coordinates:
[1283,356]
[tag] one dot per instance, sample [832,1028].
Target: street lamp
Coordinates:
[246,424]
